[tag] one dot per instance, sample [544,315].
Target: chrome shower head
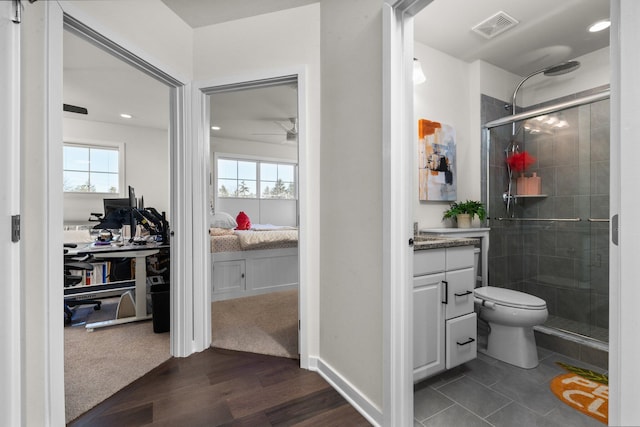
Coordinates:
[554,70]
[563,68]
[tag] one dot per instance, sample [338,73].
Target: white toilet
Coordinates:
[511,316]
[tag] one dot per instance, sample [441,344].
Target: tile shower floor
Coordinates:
[487,392]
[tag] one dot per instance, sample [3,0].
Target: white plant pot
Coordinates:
[464,220]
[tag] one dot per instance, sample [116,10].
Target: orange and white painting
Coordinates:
[436,161]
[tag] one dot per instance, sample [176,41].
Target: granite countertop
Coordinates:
[421,243]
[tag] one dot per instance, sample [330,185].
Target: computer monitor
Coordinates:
[112,205]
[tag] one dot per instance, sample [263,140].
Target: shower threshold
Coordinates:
[578,332]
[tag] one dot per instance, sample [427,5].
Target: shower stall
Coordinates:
[549,212]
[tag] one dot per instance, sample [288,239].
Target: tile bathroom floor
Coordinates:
[487,392]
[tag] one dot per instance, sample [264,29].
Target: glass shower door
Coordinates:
[552,241]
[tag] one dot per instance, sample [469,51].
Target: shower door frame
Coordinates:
[507,120]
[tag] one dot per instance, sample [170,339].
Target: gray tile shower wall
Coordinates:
[565,263]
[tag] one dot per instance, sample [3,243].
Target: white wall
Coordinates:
[254,149]
[148,28]
[146,165]
[445,97]
[594,71]
[351,195]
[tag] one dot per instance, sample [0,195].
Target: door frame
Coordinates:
[184,320]
[307,332]
[10,292]
[397,145]
[397,115]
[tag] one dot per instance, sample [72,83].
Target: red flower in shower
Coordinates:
[520,161]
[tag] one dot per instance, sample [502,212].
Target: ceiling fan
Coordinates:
[290,131]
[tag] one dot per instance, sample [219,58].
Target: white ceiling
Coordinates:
[549,32]
[199,13]
[107,87]
[257,114]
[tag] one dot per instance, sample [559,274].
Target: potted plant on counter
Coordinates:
[463,212]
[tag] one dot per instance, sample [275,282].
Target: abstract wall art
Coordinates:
[436,161]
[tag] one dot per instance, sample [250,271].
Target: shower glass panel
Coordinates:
[554,244]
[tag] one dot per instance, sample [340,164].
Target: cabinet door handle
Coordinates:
[469,341]
[463,294]
[446,292]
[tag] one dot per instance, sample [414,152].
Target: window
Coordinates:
[91,169]
[255,179]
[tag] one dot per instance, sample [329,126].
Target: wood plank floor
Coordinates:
[225,388]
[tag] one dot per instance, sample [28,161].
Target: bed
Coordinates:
[250,262]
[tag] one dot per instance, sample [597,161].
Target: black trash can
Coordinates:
[160,308]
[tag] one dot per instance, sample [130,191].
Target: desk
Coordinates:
[476,233]
[140,253]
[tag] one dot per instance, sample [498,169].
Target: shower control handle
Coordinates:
[446,292]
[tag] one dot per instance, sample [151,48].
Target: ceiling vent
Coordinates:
[494,25]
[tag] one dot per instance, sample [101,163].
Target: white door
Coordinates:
[9,206]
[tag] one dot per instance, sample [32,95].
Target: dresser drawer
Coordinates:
[428,261]
[461,340]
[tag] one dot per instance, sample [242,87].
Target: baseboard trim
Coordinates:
[363,405]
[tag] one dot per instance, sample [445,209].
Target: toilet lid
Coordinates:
[509,297]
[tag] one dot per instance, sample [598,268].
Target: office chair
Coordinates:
[71,263]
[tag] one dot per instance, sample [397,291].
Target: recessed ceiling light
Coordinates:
[599,26]
[215,127]
[126,116]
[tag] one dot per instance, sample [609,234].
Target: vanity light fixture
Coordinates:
[599,26]
[126,116]
[418,74]
[215,127]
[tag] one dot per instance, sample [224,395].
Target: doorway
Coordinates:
[255,133]
[115,119]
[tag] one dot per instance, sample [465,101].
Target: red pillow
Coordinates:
[244,223]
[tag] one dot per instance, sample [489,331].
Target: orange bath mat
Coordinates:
[584,390]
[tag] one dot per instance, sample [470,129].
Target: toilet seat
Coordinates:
[510,298]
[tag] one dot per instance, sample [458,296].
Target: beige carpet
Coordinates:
[265,324]
[97,364]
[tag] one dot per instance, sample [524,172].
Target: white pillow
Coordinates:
[223,220]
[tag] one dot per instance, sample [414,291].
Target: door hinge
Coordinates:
[15,228]
[410,242]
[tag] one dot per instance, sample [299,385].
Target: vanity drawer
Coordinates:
[428,261]
[461,341]
[459,292]
[460,257]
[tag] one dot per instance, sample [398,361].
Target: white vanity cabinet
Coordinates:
[444,323]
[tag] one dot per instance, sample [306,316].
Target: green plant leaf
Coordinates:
[586,373]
